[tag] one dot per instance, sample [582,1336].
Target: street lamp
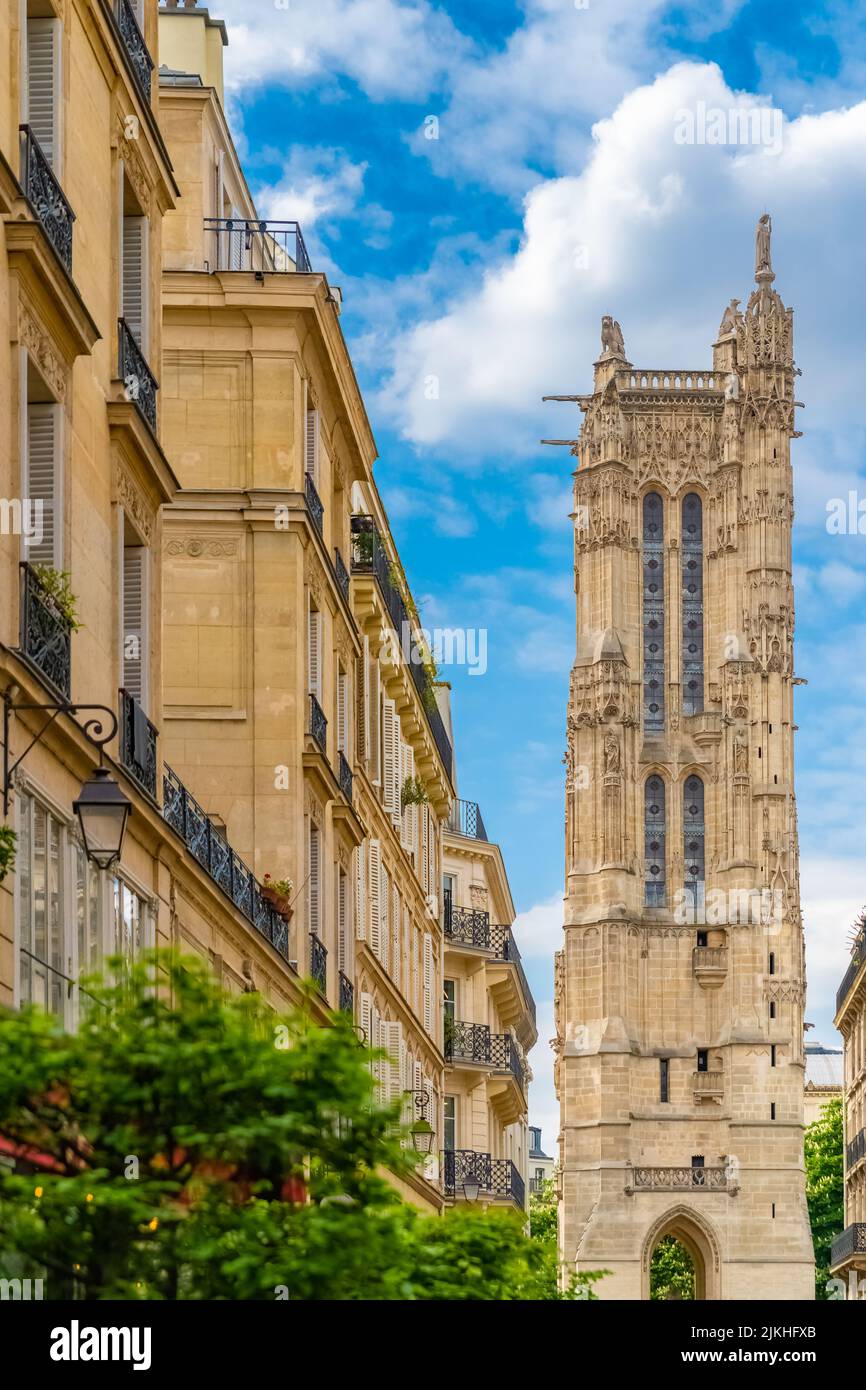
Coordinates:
[422,1131]
[103,811]
[471,1189]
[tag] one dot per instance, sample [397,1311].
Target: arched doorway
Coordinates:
[681,1258]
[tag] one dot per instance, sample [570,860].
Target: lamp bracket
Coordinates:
[93,730]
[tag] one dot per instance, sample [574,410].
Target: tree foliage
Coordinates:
[825,1187]
[672,1271]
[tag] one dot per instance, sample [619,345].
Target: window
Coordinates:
[41,475]
[772,1054]
[135,659]
[314,904]
[450,999]
[702,938]
[43,951]
[772,1009]
[391,759]
[450,1122]
[703,1059]
[654,842]
[342,921]
[428,982]
[311,447]
[664,1079]
[43,104]
[773,1110]
[653,613]
[693,839]
[772,963]
[698,1175]
[693,604]
[129,922]
[314,652]
[449,887]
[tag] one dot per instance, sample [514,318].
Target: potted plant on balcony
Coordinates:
[412,793]
[57,589]
[278,893]
[8,843]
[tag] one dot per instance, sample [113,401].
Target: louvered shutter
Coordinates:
[314,881]
[360,894]
[342,922]
[376,1038]
[343,713]
[362,699]
[375,893]
[311,459]
[314,651]
[391,745]
[236,243]
[134,278]
[409,821]
[393,1042]
[366,1019]
[134,637]
[415,970]
[395,935]
[43,478]
[43,72]
[374,706]
[425,848]
[428,983]
[385,918]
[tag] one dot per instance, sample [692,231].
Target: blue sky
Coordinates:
[555,192]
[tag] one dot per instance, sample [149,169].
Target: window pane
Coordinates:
[23,869]
[653,613]
[693,605]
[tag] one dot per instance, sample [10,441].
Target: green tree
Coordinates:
[672,1272]
[825,1187]
[543,1218]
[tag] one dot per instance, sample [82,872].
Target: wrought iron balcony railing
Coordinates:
[344,773]
[136,48]
[342,575]
[685,1179]
[45,196]
[319,962]
[466,926]
[210,847]
[465,819]
[850,1242]
[273,248]
[139,382]
[45,634]
[849,977]
[315,505]
[369,556]
[318,724]
[138,742]
[474,1043]
[855,1149]
[496,1177]
[347,994]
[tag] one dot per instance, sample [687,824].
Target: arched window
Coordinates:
[653,613]
[693,840]
[693,605]
[655,828]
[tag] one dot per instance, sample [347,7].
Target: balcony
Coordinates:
[315,505]
[474,1043]
[849,1245]
[465,819]
[264,248]
[46,197]
[686,1179]
[369,556]
[855,1149]
[318,728]
[139,382]
[45,634]
[710,965]
[466,926]
[857,963]
[344,774]
[342,575]
[138,743]
[318,962]
[136,49]
[708,1085]
[347,995]
[209,846]
[496,1177]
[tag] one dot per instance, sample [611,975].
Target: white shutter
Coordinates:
[393,1042]
[366,1019]
[425,848]
[376,1041]
[134,302]
[391,745]
[395,935]
[311,457]
[375,894]
[343,713]
[43,484]
[236,243]
[384,918]
[415,970]
[314,652]
[43,84]
[374,705]
[364,696]
[428,983]
[342,921]
[135,663]
[409,822]
[314,886]
[360,894]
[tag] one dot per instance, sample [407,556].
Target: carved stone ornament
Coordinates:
[196,546]
[134,503]
[40,347]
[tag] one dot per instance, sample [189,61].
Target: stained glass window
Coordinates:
[654,842]
[693,605]
[653,613]
[693,840]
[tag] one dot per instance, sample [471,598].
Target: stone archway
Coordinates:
[697,1235]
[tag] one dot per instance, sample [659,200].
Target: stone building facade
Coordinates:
[848,1254]
[679,988]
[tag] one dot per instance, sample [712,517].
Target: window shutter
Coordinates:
[375,893]
[43,73]
[409,821]
[366,1019]
[391,743]
[342,712]
[428,983]
[384,918]
[360,894]
[415,970]
[134,654]
[314,650]
[43,477]
[311,459]
[342,925]
[236,244]
[314,884]
[134,292]
[393,1042]
[362,704]
[425,848]
[395,935]
[374,707]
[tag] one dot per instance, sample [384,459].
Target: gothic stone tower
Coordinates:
[679,989]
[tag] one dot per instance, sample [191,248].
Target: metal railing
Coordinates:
[210,847]
[139,382]
[318,724]
[344,773]
[465,819]
[369,556]
[342,575]
[855,1149]
[496,1177]
[138,738]
[467,926]
[850,1242]
[848,978]
[315,505]
[474,1043]
[347,994]
[273,248]
[45,635]
[45,196]
[318,962]
[679,1179]
[136,48]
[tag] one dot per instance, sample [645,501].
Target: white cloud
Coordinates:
[539,929]
[543,1108]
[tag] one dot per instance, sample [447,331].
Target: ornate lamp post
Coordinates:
[422,1131]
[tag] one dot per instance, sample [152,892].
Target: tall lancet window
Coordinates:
[655,827]
[693,605]
[693,841]
[653,613]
